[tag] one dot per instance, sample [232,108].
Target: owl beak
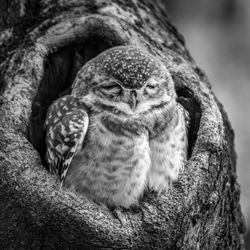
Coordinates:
[133,100]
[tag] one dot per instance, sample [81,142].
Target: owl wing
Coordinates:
[168,153]
[66,125]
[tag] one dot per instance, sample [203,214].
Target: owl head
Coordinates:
[126,79]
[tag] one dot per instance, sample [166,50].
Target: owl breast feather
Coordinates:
[111,168]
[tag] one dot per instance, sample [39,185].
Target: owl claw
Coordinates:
[135,209]
[120,216]
[155,193]
[117,212]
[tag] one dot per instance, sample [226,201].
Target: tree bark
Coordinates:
[39,44]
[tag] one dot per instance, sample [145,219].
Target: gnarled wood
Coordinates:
[39,48]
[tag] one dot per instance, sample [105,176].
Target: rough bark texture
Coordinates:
[37,41]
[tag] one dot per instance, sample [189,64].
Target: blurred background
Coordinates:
[217,34]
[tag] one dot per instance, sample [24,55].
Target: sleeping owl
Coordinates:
[120,131]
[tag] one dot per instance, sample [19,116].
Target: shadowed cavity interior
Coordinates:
[186,98]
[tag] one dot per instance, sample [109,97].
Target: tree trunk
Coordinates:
[39,44]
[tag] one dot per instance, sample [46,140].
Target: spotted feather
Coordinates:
[66,126]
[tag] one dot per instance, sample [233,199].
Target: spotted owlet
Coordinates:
[120,131]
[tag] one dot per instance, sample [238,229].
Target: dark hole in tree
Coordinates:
[60,70]
[192,106]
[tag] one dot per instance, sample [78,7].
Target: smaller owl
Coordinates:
[120,131]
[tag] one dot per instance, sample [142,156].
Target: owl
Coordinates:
[120,131]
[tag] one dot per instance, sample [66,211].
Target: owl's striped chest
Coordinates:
[113,141]
[112,165]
